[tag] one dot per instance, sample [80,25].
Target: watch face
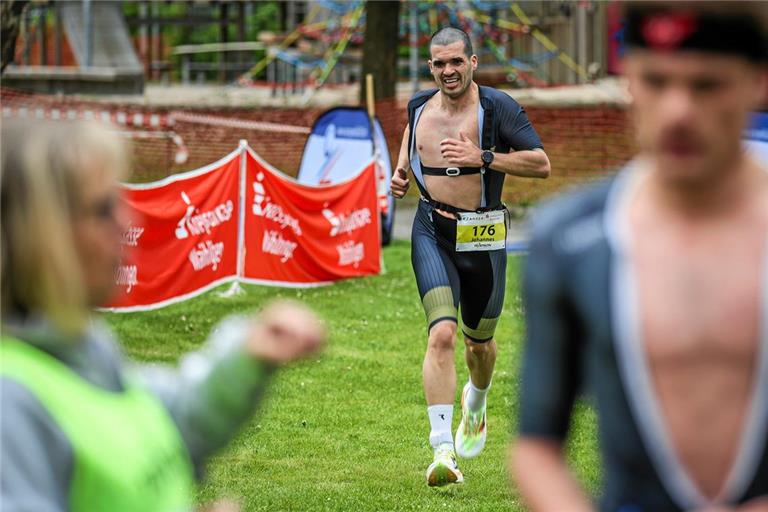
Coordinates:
[487,157]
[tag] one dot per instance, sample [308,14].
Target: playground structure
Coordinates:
[84,45]
[514,47]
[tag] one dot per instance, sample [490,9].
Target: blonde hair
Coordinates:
[43,166]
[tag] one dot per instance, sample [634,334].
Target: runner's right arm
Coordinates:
[550,380]
[400,181]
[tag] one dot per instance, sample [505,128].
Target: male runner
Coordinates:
[650,291]
[466,139]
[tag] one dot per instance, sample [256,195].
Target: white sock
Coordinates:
[440,417]
[476,397]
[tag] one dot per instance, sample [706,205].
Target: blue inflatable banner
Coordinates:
[342,141]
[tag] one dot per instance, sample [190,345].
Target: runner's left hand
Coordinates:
[461,152]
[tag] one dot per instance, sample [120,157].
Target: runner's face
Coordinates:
[99,222]
[452,68]
[690,109]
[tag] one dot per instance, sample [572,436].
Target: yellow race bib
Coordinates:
[484,231]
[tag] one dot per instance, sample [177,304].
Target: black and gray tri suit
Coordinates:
[445,277]
[583,335]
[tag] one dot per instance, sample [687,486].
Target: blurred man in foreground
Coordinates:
[650,292]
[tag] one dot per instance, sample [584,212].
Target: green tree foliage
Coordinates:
[260,16]
[263,15]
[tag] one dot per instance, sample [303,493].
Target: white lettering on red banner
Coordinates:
[206,254]
[274,212]
[128,276]
[188,238]
[274,243]
[351,253]
[203,221]
[131,236]
[259,196]
[342,223]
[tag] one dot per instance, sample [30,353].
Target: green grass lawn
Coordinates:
[348,430]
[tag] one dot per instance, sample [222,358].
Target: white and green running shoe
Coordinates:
[470,437]
[444,470]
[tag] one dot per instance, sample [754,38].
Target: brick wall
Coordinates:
[583,143]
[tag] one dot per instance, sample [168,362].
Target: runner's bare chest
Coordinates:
[435,125]
[701,303]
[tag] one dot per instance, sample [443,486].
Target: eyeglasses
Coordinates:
[105,209]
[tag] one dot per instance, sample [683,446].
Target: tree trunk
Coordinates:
[10,23]
[380,48]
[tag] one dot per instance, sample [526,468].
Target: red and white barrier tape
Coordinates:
[132,120]
[145,120]
[244,124]
[137,119]
[129,120]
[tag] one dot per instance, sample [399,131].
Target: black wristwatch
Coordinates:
[487,157]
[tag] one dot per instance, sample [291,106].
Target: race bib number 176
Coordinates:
[484,231]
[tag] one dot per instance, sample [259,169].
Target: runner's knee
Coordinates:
[479,348]
[442,336]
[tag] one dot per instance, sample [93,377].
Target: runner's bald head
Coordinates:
[450,35]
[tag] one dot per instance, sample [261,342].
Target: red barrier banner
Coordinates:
[183,237]
[297,235]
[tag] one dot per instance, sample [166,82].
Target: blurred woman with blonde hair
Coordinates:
[81,428]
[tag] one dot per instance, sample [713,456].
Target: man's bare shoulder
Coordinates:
[421,97]
[432,104]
